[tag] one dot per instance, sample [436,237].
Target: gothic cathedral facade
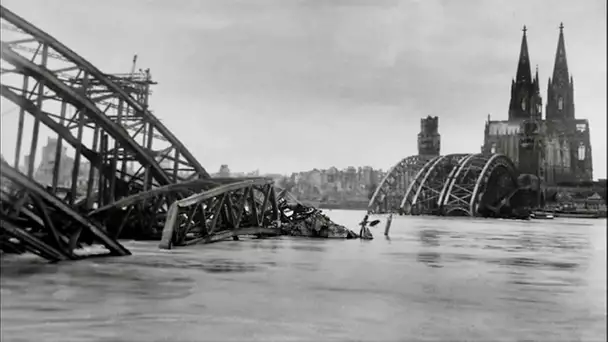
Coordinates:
[556,148]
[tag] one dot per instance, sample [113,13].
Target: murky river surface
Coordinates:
[436,279]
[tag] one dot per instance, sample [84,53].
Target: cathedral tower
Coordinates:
[560,91]
[526,101]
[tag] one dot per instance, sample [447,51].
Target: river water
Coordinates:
[435,279]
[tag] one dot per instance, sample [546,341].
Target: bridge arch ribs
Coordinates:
[103,118]
[481,180]
[392,187]
[424,194]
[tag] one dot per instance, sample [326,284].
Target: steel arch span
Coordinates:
[127,168]
[428,186]
[75,100]
[120,149]
[453,185]
[461,185]
[480,182]
[390,191]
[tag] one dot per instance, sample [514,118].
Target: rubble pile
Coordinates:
[316,224]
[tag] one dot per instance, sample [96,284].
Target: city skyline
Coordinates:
[348,90]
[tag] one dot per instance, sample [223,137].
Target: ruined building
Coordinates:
[556,148]
[429,140]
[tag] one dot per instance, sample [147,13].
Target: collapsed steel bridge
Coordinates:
[451,185]
[129,177]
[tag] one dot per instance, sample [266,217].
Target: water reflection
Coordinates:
[430,259]
[430,237]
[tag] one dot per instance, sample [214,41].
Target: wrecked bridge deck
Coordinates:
[130,177]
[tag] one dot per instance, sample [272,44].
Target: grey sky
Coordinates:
[331,82]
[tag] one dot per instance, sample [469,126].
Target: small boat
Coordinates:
[578,215]
[541,215]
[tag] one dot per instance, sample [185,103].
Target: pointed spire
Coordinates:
[560,69]
[524,75]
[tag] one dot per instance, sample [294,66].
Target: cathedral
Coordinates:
[556,148]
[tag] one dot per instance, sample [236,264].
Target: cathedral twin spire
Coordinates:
[524,74]
[560,90]
[526,101]
[561,63]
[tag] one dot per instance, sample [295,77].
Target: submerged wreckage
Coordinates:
[252,206]
[133,180]
[34,219]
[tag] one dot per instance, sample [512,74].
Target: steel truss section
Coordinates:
[225,211]
[105,119]
[143,215]
[390,191]
[128,168]
[423,195]
[481,182]
[34,220]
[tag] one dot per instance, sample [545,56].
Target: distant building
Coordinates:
[429,140]
[224,171]
[335,186]
[43,173]
[557,148]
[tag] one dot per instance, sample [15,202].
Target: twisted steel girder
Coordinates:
[135,163]
[44,224]
[143,215]
[393,186]
[224,211]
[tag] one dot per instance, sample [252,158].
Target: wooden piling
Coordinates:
[389,220]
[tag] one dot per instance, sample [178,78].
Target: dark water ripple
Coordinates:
[435,279]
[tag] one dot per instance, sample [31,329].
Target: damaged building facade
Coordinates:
[429,139]
[555,148]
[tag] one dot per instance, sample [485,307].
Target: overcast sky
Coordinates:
[325,82]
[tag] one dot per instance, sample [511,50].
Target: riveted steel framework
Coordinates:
[481,181]
[128,168]
[227,210]
[390,191]
[423,196]
[35,220]
[129,145]
[455,184]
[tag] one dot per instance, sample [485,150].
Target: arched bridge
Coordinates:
[454,184]
[127,169]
